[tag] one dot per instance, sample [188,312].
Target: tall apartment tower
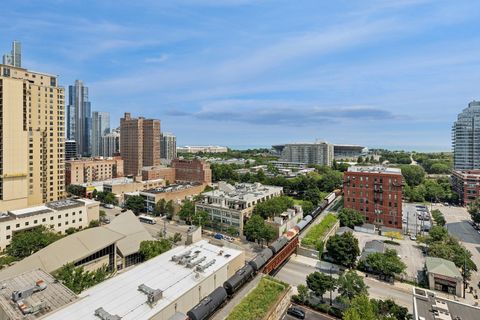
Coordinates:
[139,143]
[168,146]
[309,153]
[15,57]
[79,118]
[111,144]
[32,138]
[100,127]
[466,138]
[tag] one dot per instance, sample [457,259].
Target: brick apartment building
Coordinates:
[139,143]
[181,170]
[466,183]
[376,192]
[93,169]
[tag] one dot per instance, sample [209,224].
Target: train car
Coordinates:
[303,223]
[278,244]
[291,233]
[238,279]
[207,306]
[259,261]
[330,197]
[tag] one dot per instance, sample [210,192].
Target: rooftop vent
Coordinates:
[192,264]
[202,268]
[188,259]
[153,295]
[27,292]
[181,256]
[31,309]
[104,315]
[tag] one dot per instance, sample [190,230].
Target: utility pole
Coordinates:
[464,275]
[331,280]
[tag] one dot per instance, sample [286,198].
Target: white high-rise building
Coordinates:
[466,138]
[319,152]
[168,146]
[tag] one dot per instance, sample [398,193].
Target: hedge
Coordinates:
[318,231]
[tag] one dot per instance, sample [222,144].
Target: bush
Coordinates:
[318,231]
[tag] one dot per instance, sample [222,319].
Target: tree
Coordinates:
[94,223]
[474,210]
[343,249]
[320,283]
[361,308]
[106,197]
[436,234]
[177,237]
[387,263]
[200,218]
[169,209]
[268,233]
[135,203]
[26,242]
[388,309]
[70,231]
[75,190]
[438,217]
[414,175]
[152,248]
[77,279]
[350,218]
[257,230]
[350,285]
[273,207]
[307,207]
[314,195]
[160,207]
[302,292]
[94,193]
[187,211]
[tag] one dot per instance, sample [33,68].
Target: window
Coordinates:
[59,224]
[8,227]
[51,218]
[8,237]
[59,216]
[18,225]
[35,221]
[44,219]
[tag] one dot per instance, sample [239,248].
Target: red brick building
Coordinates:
[182,171]
[466,184]
[376,192]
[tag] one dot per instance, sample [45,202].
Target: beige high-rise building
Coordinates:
[139,143]
[32,138]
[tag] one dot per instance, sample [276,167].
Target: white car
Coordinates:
[109,206]
[413,238]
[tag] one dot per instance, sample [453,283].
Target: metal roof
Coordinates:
[442,267]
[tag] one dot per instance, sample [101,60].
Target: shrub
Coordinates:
[318,231]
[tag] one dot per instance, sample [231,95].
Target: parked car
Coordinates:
[413,237]
[109,206]
[218,236]
[296,312]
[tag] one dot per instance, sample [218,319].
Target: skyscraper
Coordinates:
[319,152]
[168,146]
[139,143]
[79,117]
[100,127]
[466,138]
[111,144]
[14,58]
[32,138]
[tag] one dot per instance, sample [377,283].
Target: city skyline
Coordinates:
[264,71]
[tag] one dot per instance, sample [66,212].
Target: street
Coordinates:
[309,314]
[297,268]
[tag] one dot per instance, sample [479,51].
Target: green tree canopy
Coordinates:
[169,209]
[343,249]
[77,279]
[414,175]
[438,217]
[152,248]
[361,308]
[474,210]
[187,211]
[320,283]
[200,218]
[273,207]
[26,242]
[257,230]
[160,208]
[350,285]
[135,203]
[387,263]
[350,218]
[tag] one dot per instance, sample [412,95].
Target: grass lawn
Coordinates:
[257,303]
[318,231]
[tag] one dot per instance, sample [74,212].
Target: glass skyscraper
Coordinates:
[79,118]
[100,127]
[466,138]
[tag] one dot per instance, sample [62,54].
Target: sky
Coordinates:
[246,73]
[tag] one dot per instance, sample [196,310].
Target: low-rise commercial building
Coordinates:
[428,306]
[174,192]
[444,276]
[203,149]
[121,187]
[229,206]
[115,245]
[376,192]
[171,283]
[93,169]
[181,170]
[58,215]
[466,183]
[286,220]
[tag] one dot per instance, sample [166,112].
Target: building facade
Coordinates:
[348,151]
[320,153]
[376,192]
[466,183]
[79,117]
[94,169]
[100,127]
[70,149]
[111,144]
[444,276]
[203,149]
[230,206]
[139,143]
[168,146]
[466,138]
[32,145]
[14,58]
[57,215]
[181,170]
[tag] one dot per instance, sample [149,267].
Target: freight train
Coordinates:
[208,305]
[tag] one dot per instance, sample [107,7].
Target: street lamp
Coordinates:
[331,280]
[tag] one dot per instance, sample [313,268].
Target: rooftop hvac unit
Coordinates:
[181,256]
[187,259]
[202,268]
[31,309]
[104,315]
[27,292]
[192,264]
[153,295]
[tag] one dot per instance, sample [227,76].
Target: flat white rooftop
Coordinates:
[377,169]
[120,295]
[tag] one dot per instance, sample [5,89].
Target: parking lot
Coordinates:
[411,223]
[408,250]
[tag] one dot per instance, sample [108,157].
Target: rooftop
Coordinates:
[172,188]
[45,208]
[376,169]
[53,296]
[427,306]
[121,296]
[442,267]
[242,191]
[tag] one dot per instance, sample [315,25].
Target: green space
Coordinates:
[314,238]
[259,301]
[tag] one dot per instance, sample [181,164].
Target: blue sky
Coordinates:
[243,72]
